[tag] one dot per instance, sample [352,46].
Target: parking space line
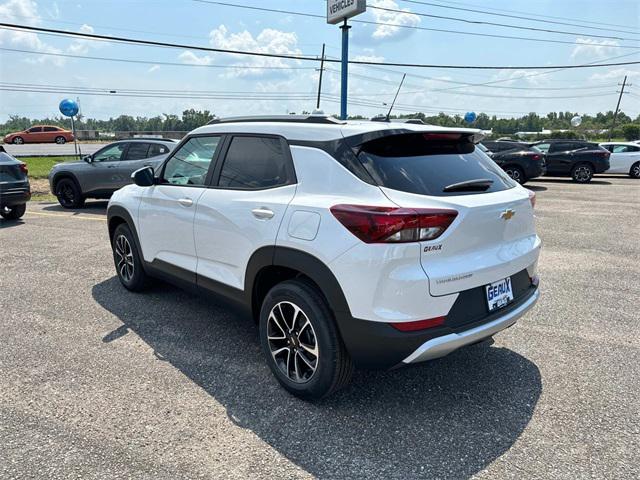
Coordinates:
[66,216]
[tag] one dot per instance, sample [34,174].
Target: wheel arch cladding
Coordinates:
[117,215]
[270,265]
[61,176]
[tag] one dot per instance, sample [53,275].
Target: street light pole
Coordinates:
[345,70]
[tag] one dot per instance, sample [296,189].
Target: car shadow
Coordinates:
[535,188]
[568,180]
[4,223]
[98,207]
[448,418]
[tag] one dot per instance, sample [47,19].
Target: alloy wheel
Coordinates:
[65,194]
[124,258]
[292,342]
[635,170]
[515,174]
[582,174]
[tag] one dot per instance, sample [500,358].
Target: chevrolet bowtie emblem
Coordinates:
[507,214]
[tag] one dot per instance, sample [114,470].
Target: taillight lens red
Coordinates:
[419,324]
[392,224]
[23,168]
[532,198]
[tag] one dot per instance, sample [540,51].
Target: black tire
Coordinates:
[68,193]
[582,173]
[333,365]
[13,213]
[634,172]
[129,268]
[60,140]
[18,141]
[516,174]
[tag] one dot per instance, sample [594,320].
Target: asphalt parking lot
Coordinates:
[97,382]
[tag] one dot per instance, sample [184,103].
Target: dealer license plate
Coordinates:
[499,294]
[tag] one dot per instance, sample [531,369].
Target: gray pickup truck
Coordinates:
[110,168]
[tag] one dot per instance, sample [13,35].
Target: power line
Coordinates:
[484,12]
[154,91]
[398,25]
[154,43]
[529,13]
[151,62]
[495,24]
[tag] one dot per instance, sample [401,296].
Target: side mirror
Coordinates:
[143,177]
[87,158]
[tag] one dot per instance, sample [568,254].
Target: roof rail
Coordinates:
[417,121]
[323,119]
[157,139]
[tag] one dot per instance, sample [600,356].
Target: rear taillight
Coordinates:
[418,324]
[532,198]
[393,225]
[23,168]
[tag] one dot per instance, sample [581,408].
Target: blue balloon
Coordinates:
[68,107]
[470,117]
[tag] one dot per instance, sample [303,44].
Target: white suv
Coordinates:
[367,244]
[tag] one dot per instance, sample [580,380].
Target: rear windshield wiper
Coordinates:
[479,184]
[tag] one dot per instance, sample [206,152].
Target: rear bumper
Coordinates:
[13,197]
[441,346]
[377,345]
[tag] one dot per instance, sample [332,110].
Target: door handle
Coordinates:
[185,202]
[262,213]
[111,166]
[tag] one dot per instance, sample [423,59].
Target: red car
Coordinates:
[40,134]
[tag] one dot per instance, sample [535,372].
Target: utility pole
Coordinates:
[615,114]
[344,89]
[320,79]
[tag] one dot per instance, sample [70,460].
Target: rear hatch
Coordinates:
[13,176]
[493,235]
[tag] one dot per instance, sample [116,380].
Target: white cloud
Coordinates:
[189,57]
[589,48]
[386,32]
[612,75]
[79,46]
[267,41]
[27,11]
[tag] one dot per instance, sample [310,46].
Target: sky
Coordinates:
[262,85]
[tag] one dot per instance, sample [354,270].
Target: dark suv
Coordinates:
[520,161]
[15,191]
[577,159]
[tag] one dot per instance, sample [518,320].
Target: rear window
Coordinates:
[427,164]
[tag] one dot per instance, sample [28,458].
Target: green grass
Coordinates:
[39,167]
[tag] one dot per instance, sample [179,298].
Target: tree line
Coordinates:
[591,126]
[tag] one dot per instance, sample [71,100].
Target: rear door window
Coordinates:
[426,164]
[156,149]
[137,151]
[255,163]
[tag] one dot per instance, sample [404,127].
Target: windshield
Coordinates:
[426,164]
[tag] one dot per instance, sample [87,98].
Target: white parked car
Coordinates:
[362,243]
[625,158]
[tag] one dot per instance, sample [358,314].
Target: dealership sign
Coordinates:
[339,10]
